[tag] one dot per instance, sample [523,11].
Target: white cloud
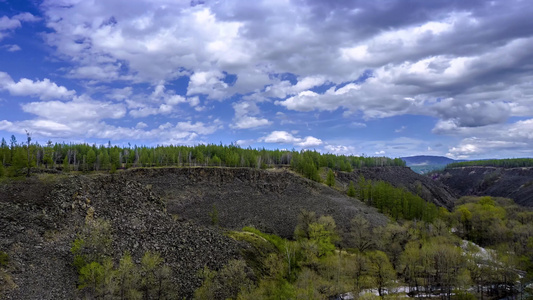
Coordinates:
[121,94]
[141,125]
[12,48]
[44,89]
[245,112]
[199,127]
[75,110]
[308,141]
[465,64]
[283,137]
[7,23]
[340,149]
[210,83]
[247,122]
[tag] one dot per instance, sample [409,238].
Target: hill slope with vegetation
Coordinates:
[63,235]
[404,178]
[510,178]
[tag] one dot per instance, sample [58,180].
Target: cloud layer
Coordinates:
[263,69]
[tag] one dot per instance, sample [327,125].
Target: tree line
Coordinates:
[502,163]
[18,158]
[398,203]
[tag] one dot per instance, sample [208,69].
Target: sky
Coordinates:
[377,78]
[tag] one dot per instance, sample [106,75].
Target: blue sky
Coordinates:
[393,78]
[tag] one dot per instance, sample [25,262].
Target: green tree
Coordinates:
[330,179]
[91,159]
[155,277]
[66,164]
[305,218]
[381,270]
[351,190]
[91,277]
[18,163]
[361,233]
[128,278]
[105,163]
[215,161]
[224,284]
[323,234]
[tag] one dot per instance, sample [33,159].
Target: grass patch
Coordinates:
[275,240]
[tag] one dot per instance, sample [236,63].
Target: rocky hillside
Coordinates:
[169,211]
[269,200]
[514,183]
[427,188]
[39,219]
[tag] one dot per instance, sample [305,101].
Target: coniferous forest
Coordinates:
[503,163]
[17,157]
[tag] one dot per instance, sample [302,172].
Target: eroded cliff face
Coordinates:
[429,189]
[514,183]
[39,219]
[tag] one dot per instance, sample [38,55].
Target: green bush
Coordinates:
[4,259]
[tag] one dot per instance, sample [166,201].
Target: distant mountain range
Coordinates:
[423,164]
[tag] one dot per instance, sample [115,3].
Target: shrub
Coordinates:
[4,259]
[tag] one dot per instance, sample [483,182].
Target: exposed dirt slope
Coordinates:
[269,200]
[39,220]
[427,188]
[514,183]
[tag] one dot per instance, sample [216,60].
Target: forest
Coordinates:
[480,250]
[20,158]
[502,163]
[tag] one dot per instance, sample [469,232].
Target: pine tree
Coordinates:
[351,190]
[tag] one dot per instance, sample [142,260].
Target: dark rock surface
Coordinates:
[514,183]
[427,188]
[39,220]
[269,200]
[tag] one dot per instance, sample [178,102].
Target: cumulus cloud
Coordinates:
[161,101]
[44,89]
[245,112]
[466,64]
[284,137]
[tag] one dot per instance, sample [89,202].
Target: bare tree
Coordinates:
[28,134]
